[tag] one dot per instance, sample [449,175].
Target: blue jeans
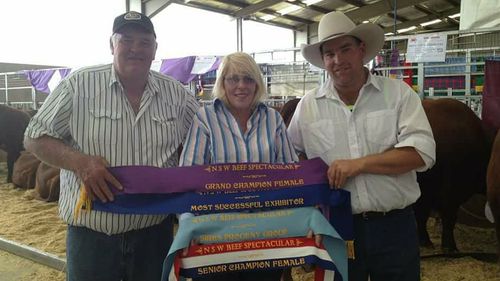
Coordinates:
[386,248]
[131,256]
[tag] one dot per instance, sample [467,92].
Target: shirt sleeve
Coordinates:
[294,131]
[414,128]
[284,148]
[53,118]
[196,150]
[190,109]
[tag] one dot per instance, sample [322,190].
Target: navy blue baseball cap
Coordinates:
[133,18]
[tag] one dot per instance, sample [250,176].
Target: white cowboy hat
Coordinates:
[336,24]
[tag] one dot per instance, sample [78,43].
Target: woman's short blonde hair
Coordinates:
[242,64]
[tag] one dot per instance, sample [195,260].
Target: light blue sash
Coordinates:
[227,227]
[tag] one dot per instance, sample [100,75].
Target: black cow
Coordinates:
[13,122]
[462,154]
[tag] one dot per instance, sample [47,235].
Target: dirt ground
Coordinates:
[13,267]
[31,222]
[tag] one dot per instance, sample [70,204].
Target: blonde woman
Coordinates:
[238,128]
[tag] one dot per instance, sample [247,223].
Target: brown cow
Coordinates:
[288,109]
[462,153]
[47,182]
[25,167]
[493,183]
[13,122]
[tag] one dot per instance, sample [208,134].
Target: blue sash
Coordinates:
[338,202]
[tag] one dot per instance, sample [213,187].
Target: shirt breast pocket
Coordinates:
[381,128]
[104,124]
[166,122]
[166,117]
[321,138]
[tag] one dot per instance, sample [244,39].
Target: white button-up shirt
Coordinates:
[387,114]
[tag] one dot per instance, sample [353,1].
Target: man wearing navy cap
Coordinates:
[134,18]
[120,114]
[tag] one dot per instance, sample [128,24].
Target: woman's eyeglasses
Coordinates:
[235,79]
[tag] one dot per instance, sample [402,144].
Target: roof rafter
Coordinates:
[225,12]
[268,12]
[399,18]
[357,10]
[428,11]
[357,3]
[315,8]
[154,7]
[423,19]
[252,9]
[378,8]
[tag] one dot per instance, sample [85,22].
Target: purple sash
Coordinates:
[220,177]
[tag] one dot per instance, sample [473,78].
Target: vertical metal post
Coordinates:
[295,45]
[394,30]
[6,90]
[420,80]
[239,34]
[33,98]
[468,76]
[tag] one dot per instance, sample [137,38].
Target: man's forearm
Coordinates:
[54,152]
[392,162]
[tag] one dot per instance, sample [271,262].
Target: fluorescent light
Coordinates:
[454,16]
[310,2]
[406,29]
[268,17]
[430,22]
[289,9]
[366,21]
[389,33]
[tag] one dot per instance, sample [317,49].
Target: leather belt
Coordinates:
[373,215]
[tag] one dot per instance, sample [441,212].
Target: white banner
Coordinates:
[426,48]
[203,64]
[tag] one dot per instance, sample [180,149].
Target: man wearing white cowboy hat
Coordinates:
[375,135]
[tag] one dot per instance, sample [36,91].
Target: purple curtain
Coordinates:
[179,68]
[39,79]
[64,72]
[395,61]
[216,64]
